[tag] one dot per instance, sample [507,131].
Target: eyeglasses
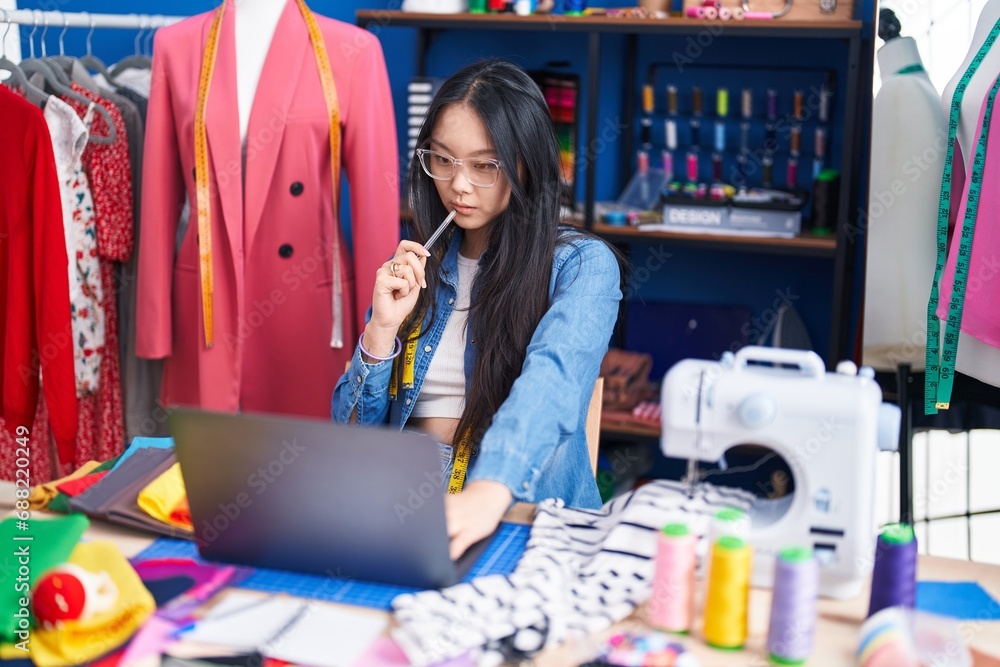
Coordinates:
[482,172]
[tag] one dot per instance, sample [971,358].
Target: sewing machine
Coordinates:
[828,427]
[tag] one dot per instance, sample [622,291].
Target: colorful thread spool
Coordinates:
[646,133]
[720,136]
[894,579]
[695,133]
[654,648]
[795,143]
[728,594]
[825,95]
[739,14]
[672,100]
[792,172]
[668,165]
[793,606]
[767,171]
[692,166]
[696,100]
[797,99]
[648,98]
[722,102]
[746,102]
[711,13]
[671,606]
[725,13]
[670,129]
[772,104]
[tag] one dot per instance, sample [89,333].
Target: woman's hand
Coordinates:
[397,286]
[475,513]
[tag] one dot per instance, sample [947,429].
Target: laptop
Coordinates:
[317,497]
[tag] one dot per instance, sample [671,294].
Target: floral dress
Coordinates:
[69,140]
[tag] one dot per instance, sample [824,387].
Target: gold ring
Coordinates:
[392,269]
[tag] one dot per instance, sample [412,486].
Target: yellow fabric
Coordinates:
[43,494]
[77,642]
[163,494]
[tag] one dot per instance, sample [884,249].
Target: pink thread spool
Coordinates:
[725,13]
[739,14]
[696,12]
[671,606]
[711,13]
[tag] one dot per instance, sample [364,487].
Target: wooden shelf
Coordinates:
[631,428]
[559,23]
[806,244]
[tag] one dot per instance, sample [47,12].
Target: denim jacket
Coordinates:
[535,445]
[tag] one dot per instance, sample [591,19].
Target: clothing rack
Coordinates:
[57,19]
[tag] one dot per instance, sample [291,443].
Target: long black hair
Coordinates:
[511,292]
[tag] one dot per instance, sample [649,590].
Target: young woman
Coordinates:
[509,314]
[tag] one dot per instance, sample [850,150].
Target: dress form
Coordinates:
[908,127]
[976,358]
[256,21]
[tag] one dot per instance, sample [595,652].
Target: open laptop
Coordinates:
[318,497]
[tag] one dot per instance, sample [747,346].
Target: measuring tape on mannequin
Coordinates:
[463,451]
[940,376]
[202,176]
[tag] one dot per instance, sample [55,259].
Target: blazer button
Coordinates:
[285,250]
[297,188]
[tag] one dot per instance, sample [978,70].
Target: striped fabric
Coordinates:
[582,571]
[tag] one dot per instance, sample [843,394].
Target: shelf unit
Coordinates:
[837,246]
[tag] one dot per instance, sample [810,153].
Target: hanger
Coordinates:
[55,83]
[41,65]
[90,61]
[34,94]
[138,60]
[62,61]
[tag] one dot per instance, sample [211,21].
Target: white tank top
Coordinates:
[443,391]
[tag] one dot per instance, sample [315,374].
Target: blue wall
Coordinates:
[690,275]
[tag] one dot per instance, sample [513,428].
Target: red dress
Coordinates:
[102,428]
[35,328]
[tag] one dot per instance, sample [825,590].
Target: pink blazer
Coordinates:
[981,314]
[272,237]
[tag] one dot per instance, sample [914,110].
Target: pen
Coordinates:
[440,230]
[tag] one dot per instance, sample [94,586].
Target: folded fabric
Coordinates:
[42,495]
[139,444]
[582,571]
[50,542]
[181,513]
[60,503]
[75,487]
[162,496]
[124,508]
[76,642]
[126,479]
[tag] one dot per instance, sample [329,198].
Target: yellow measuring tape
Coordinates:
[463,451]
[202,175]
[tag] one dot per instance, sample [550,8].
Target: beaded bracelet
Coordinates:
[399,348]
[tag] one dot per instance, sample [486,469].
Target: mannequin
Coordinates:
[256,21]
[274,225]
[909,135]
[976,358]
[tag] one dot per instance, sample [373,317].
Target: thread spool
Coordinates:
[792,172]
[670,129]
[711,13]
[696,100]
[745,137]
[728,594]
[793,606]
[717,167]
[695,12]
[739,14]
[772,104]
[730,522]
[746,102]
[725,13]
[825,96]
[695,132]
[797,104]
[671,606]
[767,171]
[770,137]
[648,98]
[672,100]
[692,166]
[720,136]
[642,162]
[819,144]
[646,133]
[722,102]
[668,165]
[894,580]
[796,140]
